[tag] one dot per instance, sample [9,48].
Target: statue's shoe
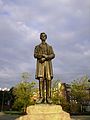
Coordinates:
[40,100]
[49,101]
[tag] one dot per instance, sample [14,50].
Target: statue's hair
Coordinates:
[43,33]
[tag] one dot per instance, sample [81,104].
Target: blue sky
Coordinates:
[67,24]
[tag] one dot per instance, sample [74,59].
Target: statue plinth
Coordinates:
[45,112]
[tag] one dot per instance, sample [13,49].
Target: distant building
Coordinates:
[4,99]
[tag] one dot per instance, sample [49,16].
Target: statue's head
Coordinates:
[43,36]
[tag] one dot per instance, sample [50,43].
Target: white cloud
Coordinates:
[67,36]
[24,67]
[1,4]
[87,53]
[26,31]
[7,73]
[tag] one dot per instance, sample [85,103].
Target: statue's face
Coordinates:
[43,37]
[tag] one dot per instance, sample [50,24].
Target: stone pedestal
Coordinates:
[45,112]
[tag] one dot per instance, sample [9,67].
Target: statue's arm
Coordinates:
[51,55]
[36,53]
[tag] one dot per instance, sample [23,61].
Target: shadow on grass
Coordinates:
[81,117]
[9,115]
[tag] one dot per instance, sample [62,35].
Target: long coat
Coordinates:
[44,70]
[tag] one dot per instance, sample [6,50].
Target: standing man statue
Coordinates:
[44,72]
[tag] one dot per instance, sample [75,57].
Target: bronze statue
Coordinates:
[44,72]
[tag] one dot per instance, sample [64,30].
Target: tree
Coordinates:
[79,89]
[79,92]
[25,76]
[59,95]
[23,95]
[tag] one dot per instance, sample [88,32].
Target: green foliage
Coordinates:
[58,98]
[79,89]
[25,76]
[23,95]
[55,83]
[65,104]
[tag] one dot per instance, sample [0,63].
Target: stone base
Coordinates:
[45,112]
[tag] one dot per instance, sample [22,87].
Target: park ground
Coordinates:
[4,116]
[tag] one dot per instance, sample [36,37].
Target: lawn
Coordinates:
[4,116]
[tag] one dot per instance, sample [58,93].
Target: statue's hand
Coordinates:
[45,56]
[42,60]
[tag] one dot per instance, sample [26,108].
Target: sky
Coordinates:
[67,25]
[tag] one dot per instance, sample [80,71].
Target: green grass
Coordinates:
[12,112]
[9,115]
